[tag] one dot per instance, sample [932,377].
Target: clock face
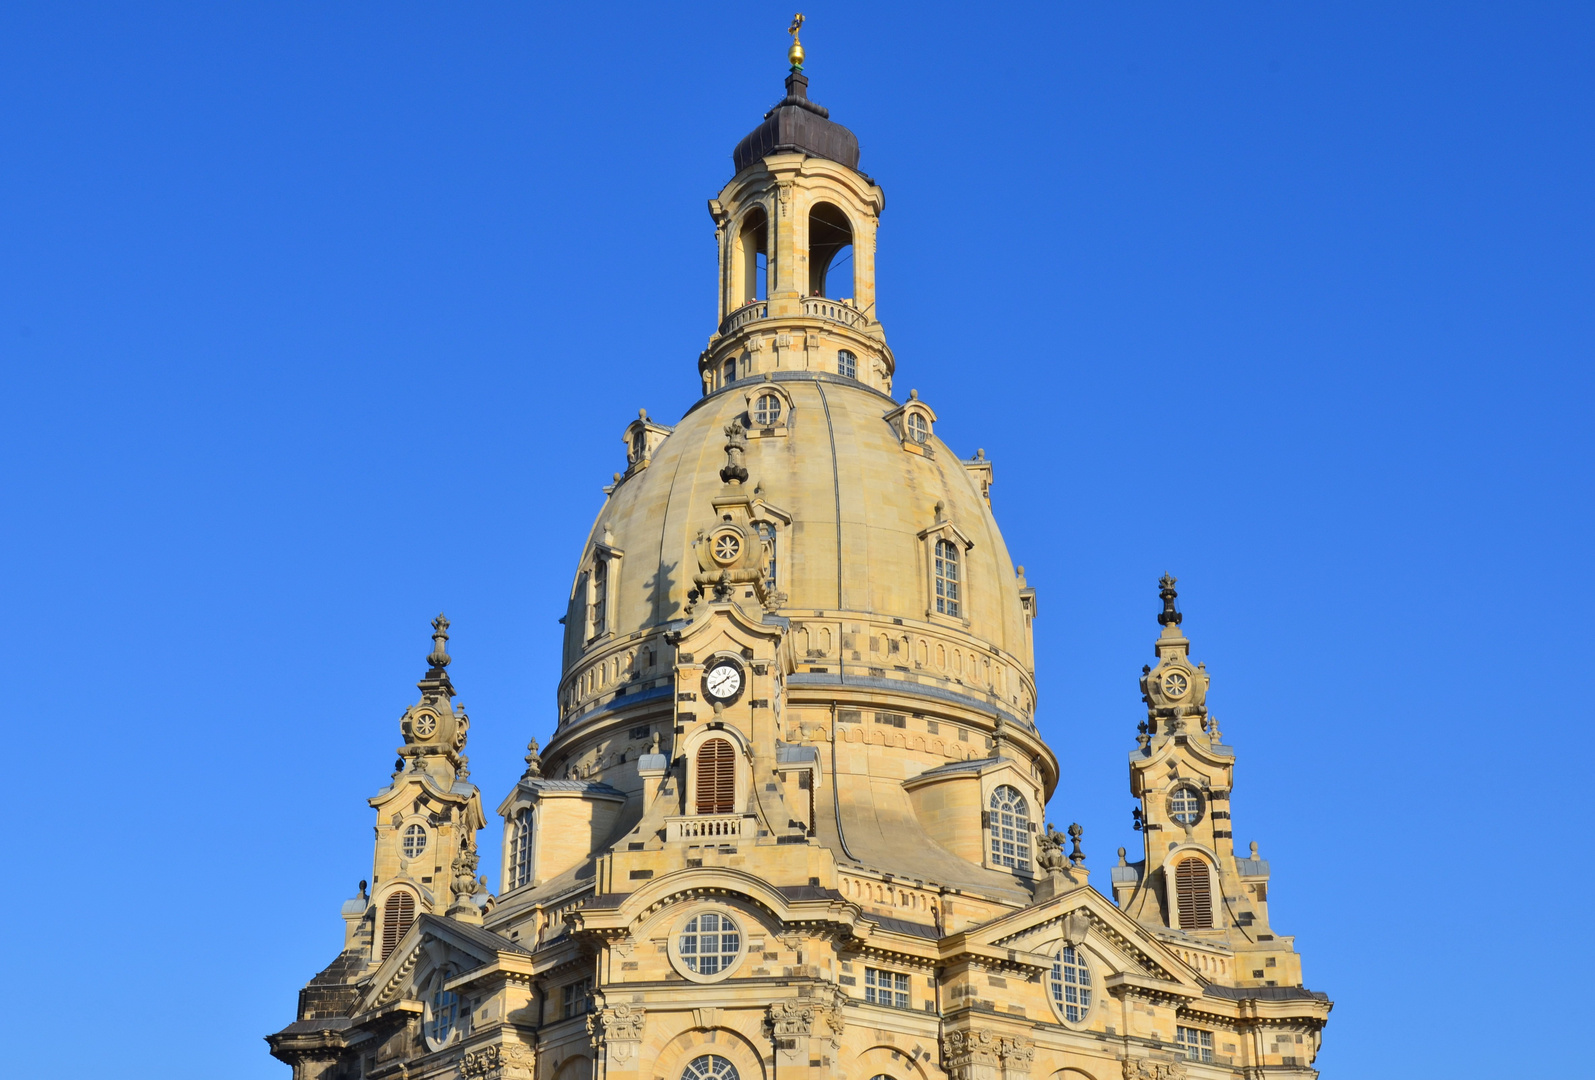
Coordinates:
[723,681]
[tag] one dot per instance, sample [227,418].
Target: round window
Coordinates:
[1071,984]
[709,944]
[727,546]
[767,410]
[709,1067]
[424,725]
[414,840]
[1185,806]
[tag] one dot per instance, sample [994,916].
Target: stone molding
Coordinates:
[617,1031]
[1144,1069]
[500,1061]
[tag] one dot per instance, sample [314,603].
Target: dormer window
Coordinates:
[918,427]
[947,579]
[600,593]
[1008,823]
[767,411]
[847,365]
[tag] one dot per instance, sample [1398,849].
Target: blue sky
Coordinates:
[318,319]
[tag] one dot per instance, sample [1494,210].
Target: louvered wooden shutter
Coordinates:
[717,777]
[397,915]
[1192,883]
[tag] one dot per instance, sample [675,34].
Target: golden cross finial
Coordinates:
[795,53]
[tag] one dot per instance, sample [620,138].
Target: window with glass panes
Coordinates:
[1185,806]
[1071,984]
[946,578]
[847,364]
[767,534]
[886,988]
[1197,1044]
[918,427]
[578,997]
[443,1012]
[709,1067]
[521,851]
[767,411]
[414,840]
[1009,825]
[709,943]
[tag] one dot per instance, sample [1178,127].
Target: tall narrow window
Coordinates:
[947,594]
[1009,825]
[846,364]
[442,1013]
[1193,886]
[521,850]
[830,252]
[398,912]
[728,372]
[639,445]
[1071,984]
[600,596]
[750,270]
[767,534]
[717,777]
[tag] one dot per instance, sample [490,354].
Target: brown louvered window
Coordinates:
[397,915]
[717,777]
[1193,886]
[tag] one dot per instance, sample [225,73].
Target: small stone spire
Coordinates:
[439,657]
[534,762]
[1076,856]
[1170,615]
[464,886]
[736,444]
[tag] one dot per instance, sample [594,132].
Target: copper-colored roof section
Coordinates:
[797,125]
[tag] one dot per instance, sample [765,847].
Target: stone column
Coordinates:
[617,1041]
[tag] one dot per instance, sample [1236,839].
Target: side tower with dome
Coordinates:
[789,820]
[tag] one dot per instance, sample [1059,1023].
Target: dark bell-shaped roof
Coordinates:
[797,125]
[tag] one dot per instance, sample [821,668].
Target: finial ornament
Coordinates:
[1166,591]
[794,55]
[736,444]
[534,761]
[439,658]
[1076,856]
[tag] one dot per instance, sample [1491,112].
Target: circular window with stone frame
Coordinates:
[412,843]
[725,546]
[1185,805]
[707,944]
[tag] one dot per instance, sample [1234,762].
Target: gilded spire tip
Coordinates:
[795,53]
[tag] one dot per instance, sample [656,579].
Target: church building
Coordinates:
[789,821]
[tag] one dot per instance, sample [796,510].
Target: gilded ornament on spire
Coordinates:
[795,54]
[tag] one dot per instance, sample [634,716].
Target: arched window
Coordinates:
[918,427]
[830,252]
[717,777]
[442,1012]
[750,274]
[710,1067]
[1071,985]
[728,372]
[521,850]
[414,840]
[600,587]
[1009,825]
[767,534]
[639,444]
[947,594]
[1193,887]
[846,364]
[398,912]
[767,411]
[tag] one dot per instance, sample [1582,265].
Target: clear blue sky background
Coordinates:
[317,319]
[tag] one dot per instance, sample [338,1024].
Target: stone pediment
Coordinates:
[430,943]
[1085,915]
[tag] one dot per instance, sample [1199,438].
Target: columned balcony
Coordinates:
[710,828]
[811,307]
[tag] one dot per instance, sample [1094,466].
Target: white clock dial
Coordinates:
[724,681]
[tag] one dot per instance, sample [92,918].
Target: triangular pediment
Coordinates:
[1084,915]
[432,943]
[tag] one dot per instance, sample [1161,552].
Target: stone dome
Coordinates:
[855,509]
